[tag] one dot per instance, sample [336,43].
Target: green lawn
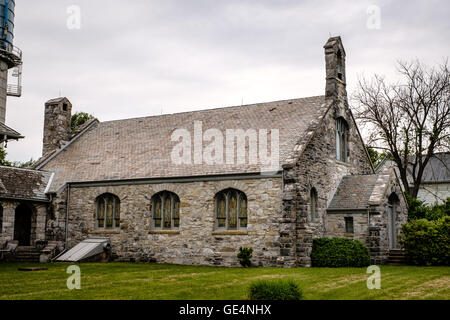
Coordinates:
[158,281]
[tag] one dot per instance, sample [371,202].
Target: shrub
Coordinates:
[337,252]
[427,242]
[244,256]
[275,290]
[418,210]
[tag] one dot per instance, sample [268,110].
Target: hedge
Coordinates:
[427,242]
[274,290]
[337,252]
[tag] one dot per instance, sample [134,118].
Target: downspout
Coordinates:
[67,215]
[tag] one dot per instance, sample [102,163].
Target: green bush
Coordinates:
[337,252]
[418,210]
[244,255]
[427,242]
[275,290]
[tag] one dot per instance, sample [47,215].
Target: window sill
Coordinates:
[349,235]
[164,232]
[112,231]
[230,232]
[347,164]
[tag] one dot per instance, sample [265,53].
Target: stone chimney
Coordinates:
[335,69]
[57,129]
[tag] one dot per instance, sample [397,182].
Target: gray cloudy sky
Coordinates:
[143,57]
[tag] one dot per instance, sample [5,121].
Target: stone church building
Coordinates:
[118,179]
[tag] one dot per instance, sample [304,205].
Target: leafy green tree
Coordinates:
[418,210]
[16,164]
[3,160]
[375,156]
[78,119]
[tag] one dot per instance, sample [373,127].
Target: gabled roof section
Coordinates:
[141,147]
[9,133]
[24,184]
[437,169]
[359,192]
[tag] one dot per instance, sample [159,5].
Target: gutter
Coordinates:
[180,179]
[24,199]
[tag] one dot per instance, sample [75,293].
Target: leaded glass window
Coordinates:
[341,139]
[108,211]
[231,210]
[166,210]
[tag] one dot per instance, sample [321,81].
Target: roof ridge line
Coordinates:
[211,109]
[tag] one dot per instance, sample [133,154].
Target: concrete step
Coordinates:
[394,253]
[26,254]
[396,257]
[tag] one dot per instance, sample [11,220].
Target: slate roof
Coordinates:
[359,191]
[437,169]
[10,133]
[23,184]
[141,147]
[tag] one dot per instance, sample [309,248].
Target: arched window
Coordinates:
[166,210]
[1,218]
[108,211]
[313,205]
[341,139]
[231,209]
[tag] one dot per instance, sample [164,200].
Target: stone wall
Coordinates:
[335,225]
[196,241]
[318,168]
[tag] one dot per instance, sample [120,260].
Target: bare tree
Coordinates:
[409,119]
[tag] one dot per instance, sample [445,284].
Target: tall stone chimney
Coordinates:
[57,129]
[335,69]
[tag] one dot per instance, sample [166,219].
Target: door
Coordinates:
[22,225]
[392,227]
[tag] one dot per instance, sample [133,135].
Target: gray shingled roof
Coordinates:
[25,184]
[141,147]
[359,191]
[10,133]
[437,169]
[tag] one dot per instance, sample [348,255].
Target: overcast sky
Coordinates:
[145,57]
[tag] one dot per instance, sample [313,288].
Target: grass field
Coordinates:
[157,281]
